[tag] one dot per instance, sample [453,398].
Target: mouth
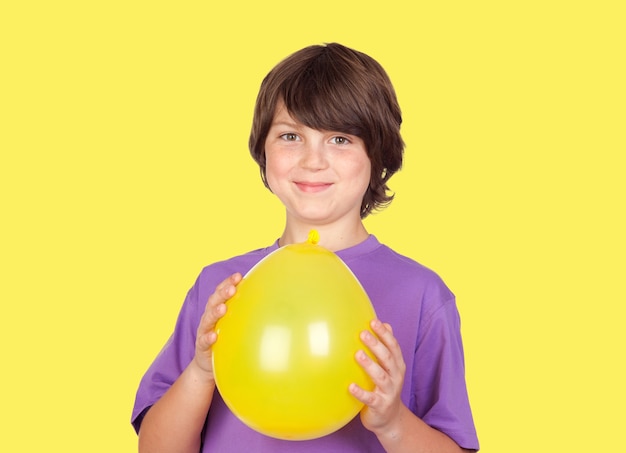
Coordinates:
[312,187]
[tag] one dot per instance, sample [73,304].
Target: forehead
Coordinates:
[282,115]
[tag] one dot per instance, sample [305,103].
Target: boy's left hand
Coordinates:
[383,404]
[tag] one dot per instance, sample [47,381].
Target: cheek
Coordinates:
[273,170]
[363,173]
[366,182]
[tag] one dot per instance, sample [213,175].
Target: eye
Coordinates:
[289,136]
[339,140]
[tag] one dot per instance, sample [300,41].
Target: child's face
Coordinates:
[320,176]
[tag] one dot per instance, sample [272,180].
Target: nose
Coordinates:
[314,156]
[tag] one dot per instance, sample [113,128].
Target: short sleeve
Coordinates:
[173,358]
[440,395]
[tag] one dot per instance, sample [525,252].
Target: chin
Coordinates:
[315,217]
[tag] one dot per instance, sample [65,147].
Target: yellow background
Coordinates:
[124,169]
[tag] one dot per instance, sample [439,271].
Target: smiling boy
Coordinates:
[326,136]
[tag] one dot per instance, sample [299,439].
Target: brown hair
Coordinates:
[332,87]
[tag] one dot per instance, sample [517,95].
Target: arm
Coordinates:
[397,428]
[175,422]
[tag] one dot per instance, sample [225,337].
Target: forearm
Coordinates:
[175,422]
[410,434]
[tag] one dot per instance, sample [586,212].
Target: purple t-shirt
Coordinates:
[405,294]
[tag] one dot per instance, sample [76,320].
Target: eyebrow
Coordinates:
[284,123]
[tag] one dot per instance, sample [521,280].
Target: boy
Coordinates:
[326,136]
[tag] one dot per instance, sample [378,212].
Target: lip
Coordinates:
[312,187]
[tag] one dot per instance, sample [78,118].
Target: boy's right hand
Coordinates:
[214,310]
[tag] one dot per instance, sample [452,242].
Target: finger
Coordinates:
[365,397]
[232,279]
[384,331]
[380,375]
[206,340]
[216,307]
[380,350]
[385,348]
[226,289]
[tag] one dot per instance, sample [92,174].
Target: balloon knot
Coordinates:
[314,237]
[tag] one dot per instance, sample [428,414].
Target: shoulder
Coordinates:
[383,264]
[414,273]
[213,274]
[238,263]
[399,286]
[404,264]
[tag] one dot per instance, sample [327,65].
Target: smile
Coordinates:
[312,187]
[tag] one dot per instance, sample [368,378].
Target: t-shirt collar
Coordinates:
[368,245]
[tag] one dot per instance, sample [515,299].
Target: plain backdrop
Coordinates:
[124,170]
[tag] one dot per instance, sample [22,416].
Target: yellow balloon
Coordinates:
[284,357]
